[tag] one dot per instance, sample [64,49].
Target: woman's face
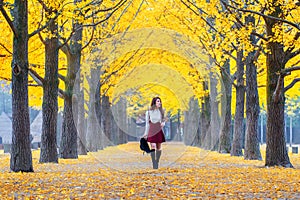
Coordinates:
[158,103]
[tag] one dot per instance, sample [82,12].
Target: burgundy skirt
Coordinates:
[155,135]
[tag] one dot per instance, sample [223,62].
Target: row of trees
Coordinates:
[265,30]
[234,35]
[57,32]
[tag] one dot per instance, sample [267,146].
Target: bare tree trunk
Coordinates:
[80,118]
[276,151]
[91,131]
[50,105]
[205,120]
[68,146]
[123,121]
[191,122]
[225,135]
[98,110]
[21,158]
[106,120]
[238,133]
[215,124]
[252,151]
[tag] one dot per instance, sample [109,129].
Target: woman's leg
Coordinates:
[158,152]
[158,146]
[153,157]
[153,145]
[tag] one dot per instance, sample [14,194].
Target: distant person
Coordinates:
[153,131]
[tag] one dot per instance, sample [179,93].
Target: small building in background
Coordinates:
[5,132]
[36,131]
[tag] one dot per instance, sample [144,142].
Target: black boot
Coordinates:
[158,154]
[154,163]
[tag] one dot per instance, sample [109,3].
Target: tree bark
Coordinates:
[215,124]
[106,120]
[80,118]
[252,151]
[123,129]
[205,120]
[98,111]
[50,105]
[93,127]
[238,133]
[68,146]
[21,157]
[276,151]
[225,133]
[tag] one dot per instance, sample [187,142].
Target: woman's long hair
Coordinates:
[153,106]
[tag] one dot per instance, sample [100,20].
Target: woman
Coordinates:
[153,131]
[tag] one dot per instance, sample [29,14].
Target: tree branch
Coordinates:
[259,36]
[44,6]
[45,26]
[293,54]
[107,9]
[209,24]
[2,45]
[61,77]
[5,78]
[289,53]
[40,81]
[222,69]
[287,71]
[263,15]
[291,84]
[8,20]
[41,38]
[124,65]
[36,77]
[90,40]
[106,18]
[278,89]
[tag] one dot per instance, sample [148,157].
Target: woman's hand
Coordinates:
[162,124]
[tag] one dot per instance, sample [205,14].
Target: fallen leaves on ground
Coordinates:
[123,172]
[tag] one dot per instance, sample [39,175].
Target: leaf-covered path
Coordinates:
[123,172]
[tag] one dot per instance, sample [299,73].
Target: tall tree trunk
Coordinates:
[81,122]
[93,127]
[122,121]
[50,106]
[276,151]
[191,133]
[238,133]
[98,111]
[21,157]
[225,135]
[187,125]
[215,124]
[252,151]
[68,144]
[205,119]
[107,120]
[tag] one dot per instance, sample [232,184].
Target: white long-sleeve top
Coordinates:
[154,116]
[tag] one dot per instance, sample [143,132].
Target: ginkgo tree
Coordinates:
[21,159]
[280,37]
